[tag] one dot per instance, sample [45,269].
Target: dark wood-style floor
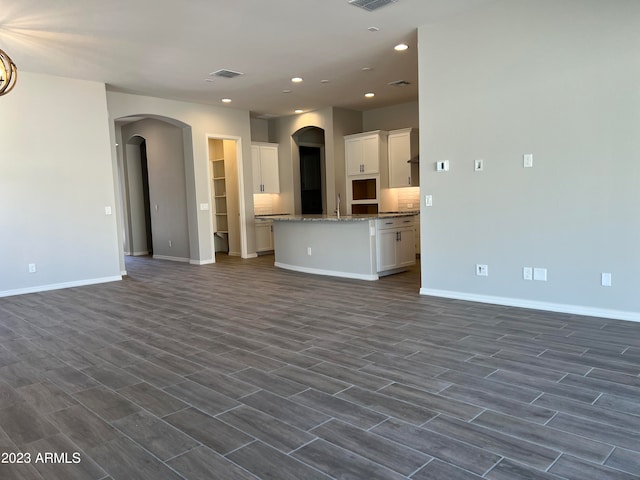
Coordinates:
[239,370]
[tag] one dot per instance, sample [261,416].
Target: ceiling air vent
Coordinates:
[225,73]
[400,83]
[371,5]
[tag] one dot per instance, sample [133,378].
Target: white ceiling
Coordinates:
[167,48]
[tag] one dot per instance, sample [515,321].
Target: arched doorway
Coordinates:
[312,181]
[154,188]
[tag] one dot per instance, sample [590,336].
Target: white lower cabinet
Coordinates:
[395,243]
[406,247]
[264,236]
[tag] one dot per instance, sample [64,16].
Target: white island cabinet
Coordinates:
[396,244]
[264,236]
[347,246]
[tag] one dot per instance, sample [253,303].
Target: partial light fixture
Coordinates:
[8,73]
[370,95]
[226,100]
[401,47]
[296,79]
[297,110]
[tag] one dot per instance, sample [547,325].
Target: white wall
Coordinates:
[259,130]
[403,115]
[204,120]
[558,79]
[56,179]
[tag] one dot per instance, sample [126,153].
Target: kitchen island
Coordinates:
[353,246]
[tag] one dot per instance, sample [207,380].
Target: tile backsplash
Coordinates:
[408,199]
[263,204]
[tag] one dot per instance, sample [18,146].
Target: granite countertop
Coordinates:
[334,218]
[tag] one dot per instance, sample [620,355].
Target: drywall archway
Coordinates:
[310,181]
[169,157]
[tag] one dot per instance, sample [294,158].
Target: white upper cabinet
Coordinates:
[403,146]
[264,160]
[365,153]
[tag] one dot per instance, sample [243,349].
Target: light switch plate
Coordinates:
[442,166]
[428,200]
[204,206]
[527,273]
[478,165]
[107,210]
[540,274]
[606,279]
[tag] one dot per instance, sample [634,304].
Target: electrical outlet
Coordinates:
[482,270]
[527,273]
[605,279]
[170,244]
[309,251]
[107,210]
[527,160]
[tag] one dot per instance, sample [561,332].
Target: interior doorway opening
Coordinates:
[311,180]
[225,196]
[154,189]
[139,238]
[144,166]
[312,170]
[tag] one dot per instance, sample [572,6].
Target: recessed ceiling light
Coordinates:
[373,29]
[366,69]
[298,111]
[286,91]
[226,100]
[324,81]
[370,95]
[401,47]
[211,80]
[296,79]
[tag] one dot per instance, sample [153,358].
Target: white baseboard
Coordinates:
[535,305]
[139,254]
[251,255]
[59,286]
[173,259]
[331,273]
[202,262]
